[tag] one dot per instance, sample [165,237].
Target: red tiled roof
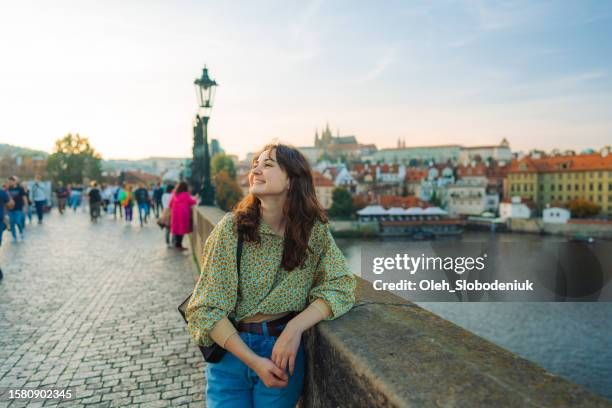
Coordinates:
[321,181]
[415,174]
[581,162]
[470,171]
[389,201]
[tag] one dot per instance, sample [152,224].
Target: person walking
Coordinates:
[39,196]
[75,196]
[165,218]
[6,202]
[180,214]
[127,202]
[292,276]
[107,196]
[158,193]
[61,193]
[95,201]
[117,202]
[29,207]
[17,213]
[141,195]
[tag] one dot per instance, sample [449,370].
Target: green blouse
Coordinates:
[264,285]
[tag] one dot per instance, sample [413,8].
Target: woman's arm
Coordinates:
[332,295]
[224,333]
[287,345]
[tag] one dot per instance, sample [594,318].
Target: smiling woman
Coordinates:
[292,276]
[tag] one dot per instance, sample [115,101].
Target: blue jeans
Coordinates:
[40,209]
[143,207]
[16,219]
[231,384]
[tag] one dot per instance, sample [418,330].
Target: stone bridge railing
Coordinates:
[388,352]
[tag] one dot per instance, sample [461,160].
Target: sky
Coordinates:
[431,72]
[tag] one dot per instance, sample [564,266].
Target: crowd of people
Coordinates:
[172,206]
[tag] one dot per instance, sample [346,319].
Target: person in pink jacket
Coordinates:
[180,214]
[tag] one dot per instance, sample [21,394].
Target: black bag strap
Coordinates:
[239,253]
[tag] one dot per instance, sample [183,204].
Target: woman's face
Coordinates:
[266,177]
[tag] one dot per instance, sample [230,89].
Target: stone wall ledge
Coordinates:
[389,352]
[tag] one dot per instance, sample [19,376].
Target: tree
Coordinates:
[360,201]
[434,200]
[404,188]
[583,208]
[220,162]
[342,203]
[74,159]
[227,191]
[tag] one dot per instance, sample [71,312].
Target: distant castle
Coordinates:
[327,140]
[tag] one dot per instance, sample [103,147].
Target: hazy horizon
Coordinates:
[451,72]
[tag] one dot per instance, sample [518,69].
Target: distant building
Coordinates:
[330,147]
[562,178]
[514,208]
[556,215]
[434,185]
[324,188]
[414,155]
[137,177]
[389,201]
[466,199]
[500,153]
[419,154]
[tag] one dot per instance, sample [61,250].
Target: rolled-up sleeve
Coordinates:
[214,296]
[334,282]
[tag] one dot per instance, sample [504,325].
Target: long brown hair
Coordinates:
[301,211]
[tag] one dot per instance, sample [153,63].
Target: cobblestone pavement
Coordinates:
[93,306]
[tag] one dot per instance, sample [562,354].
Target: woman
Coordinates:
[165,215]
[180,214]
[127,202]
[292,275]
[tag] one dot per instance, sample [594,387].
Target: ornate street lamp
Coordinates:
[205,92]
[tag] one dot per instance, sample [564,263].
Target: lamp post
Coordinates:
[205,91]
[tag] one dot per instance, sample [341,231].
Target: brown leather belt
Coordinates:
[273,326]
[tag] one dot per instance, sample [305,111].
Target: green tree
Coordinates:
[435,200]
[580,208]
[342,203]
[74,159]
[220,162]
[227,191]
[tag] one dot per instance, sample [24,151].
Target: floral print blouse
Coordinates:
[265,287]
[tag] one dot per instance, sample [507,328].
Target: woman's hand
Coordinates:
[269,373]
[286,348]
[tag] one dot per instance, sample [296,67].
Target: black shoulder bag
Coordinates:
[214,353]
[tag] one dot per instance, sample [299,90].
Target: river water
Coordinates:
[570,339]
